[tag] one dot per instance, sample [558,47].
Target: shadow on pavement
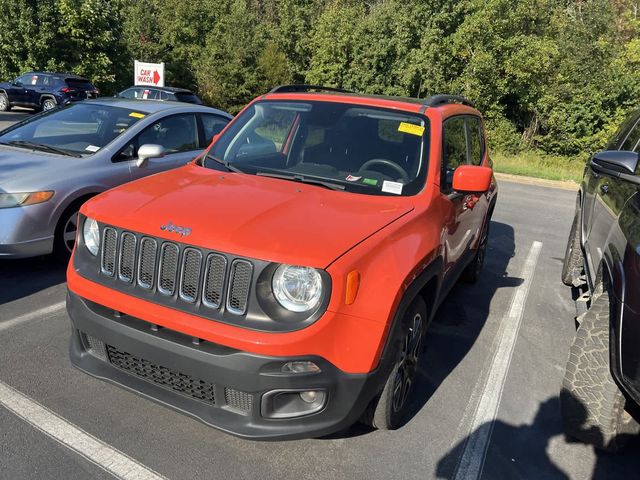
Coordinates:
[21,278]
[522,451]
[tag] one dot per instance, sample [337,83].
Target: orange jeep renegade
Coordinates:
[280,285]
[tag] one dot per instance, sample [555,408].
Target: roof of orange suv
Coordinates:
[320,92]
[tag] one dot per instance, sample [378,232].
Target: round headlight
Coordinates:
[91,235]
[297,289]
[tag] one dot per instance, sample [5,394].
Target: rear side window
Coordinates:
[79,83]
[130,93]
[187,97]
[455,150]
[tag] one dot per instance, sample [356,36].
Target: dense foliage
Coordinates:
[552,75]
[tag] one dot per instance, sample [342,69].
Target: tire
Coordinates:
[471,273]
[64,239]
[593,407]
[572,265]
[389,410]
[5,106]
[48,104]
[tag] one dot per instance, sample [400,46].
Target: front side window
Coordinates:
[455,150]
[79,128]
[177,133]
[355,148]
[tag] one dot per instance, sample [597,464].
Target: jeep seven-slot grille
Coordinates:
[172,271]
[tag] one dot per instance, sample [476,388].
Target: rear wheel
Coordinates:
[471,274]
[593,407]
[572,265]
[4,103]
[388,411]
[48,104]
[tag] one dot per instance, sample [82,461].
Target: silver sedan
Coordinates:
[53,162]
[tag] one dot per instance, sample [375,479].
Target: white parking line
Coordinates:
[74,438]
[481,428]
[51,309]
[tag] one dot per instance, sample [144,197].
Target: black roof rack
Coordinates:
[300,88]
[438,100]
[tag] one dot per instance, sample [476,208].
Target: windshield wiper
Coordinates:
[42,147]
[302,179]
[224,163]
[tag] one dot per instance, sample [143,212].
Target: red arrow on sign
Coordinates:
[156,77]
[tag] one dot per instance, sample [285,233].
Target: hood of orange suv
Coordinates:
[246,215]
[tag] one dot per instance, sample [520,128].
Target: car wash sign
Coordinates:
[148,73]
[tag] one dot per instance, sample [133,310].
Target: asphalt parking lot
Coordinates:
[486,405]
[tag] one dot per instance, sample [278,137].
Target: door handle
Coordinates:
[604,188]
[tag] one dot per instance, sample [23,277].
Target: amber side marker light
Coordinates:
[37,197]
[353,283]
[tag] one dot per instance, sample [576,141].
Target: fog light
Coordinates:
[311,396]
[300,367]
[292,403]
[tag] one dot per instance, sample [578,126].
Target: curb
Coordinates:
[541,182]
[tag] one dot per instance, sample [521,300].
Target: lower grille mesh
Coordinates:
[165,377]
[239,400]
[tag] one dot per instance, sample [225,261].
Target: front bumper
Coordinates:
[166,366]
[24,231]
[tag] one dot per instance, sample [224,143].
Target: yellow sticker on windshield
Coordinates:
[136,115]
[411,129]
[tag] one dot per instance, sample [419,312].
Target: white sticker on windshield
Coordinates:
[392,187]
[92,148]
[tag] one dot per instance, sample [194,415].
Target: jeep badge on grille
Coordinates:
[171,227]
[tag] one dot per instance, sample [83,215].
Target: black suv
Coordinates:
[174,94]
[601,390]
[45,90]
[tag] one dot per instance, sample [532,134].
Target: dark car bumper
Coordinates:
[231,390]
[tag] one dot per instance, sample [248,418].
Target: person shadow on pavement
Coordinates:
[523,451]
[515,451]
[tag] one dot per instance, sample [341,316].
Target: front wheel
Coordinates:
[388,411]
[5,106]
[593,407]
[65,236]
[471,274]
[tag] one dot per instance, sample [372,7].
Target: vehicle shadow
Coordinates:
[522,451]
[21,278]
[457,323]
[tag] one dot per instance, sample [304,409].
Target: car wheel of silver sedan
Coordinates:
[65,238]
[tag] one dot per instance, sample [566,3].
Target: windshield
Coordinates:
[78,128]
[362,149]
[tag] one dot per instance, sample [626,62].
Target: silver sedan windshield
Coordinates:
[77,129]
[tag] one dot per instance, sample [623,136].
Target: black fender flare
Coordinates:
[432,273]
[45,96]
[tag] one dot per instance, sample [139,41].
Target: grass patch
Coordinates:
[539,165]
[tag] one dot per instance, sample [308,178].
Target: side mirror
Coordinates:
[614,162]
[17,83]
[147,151]
[472,179]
